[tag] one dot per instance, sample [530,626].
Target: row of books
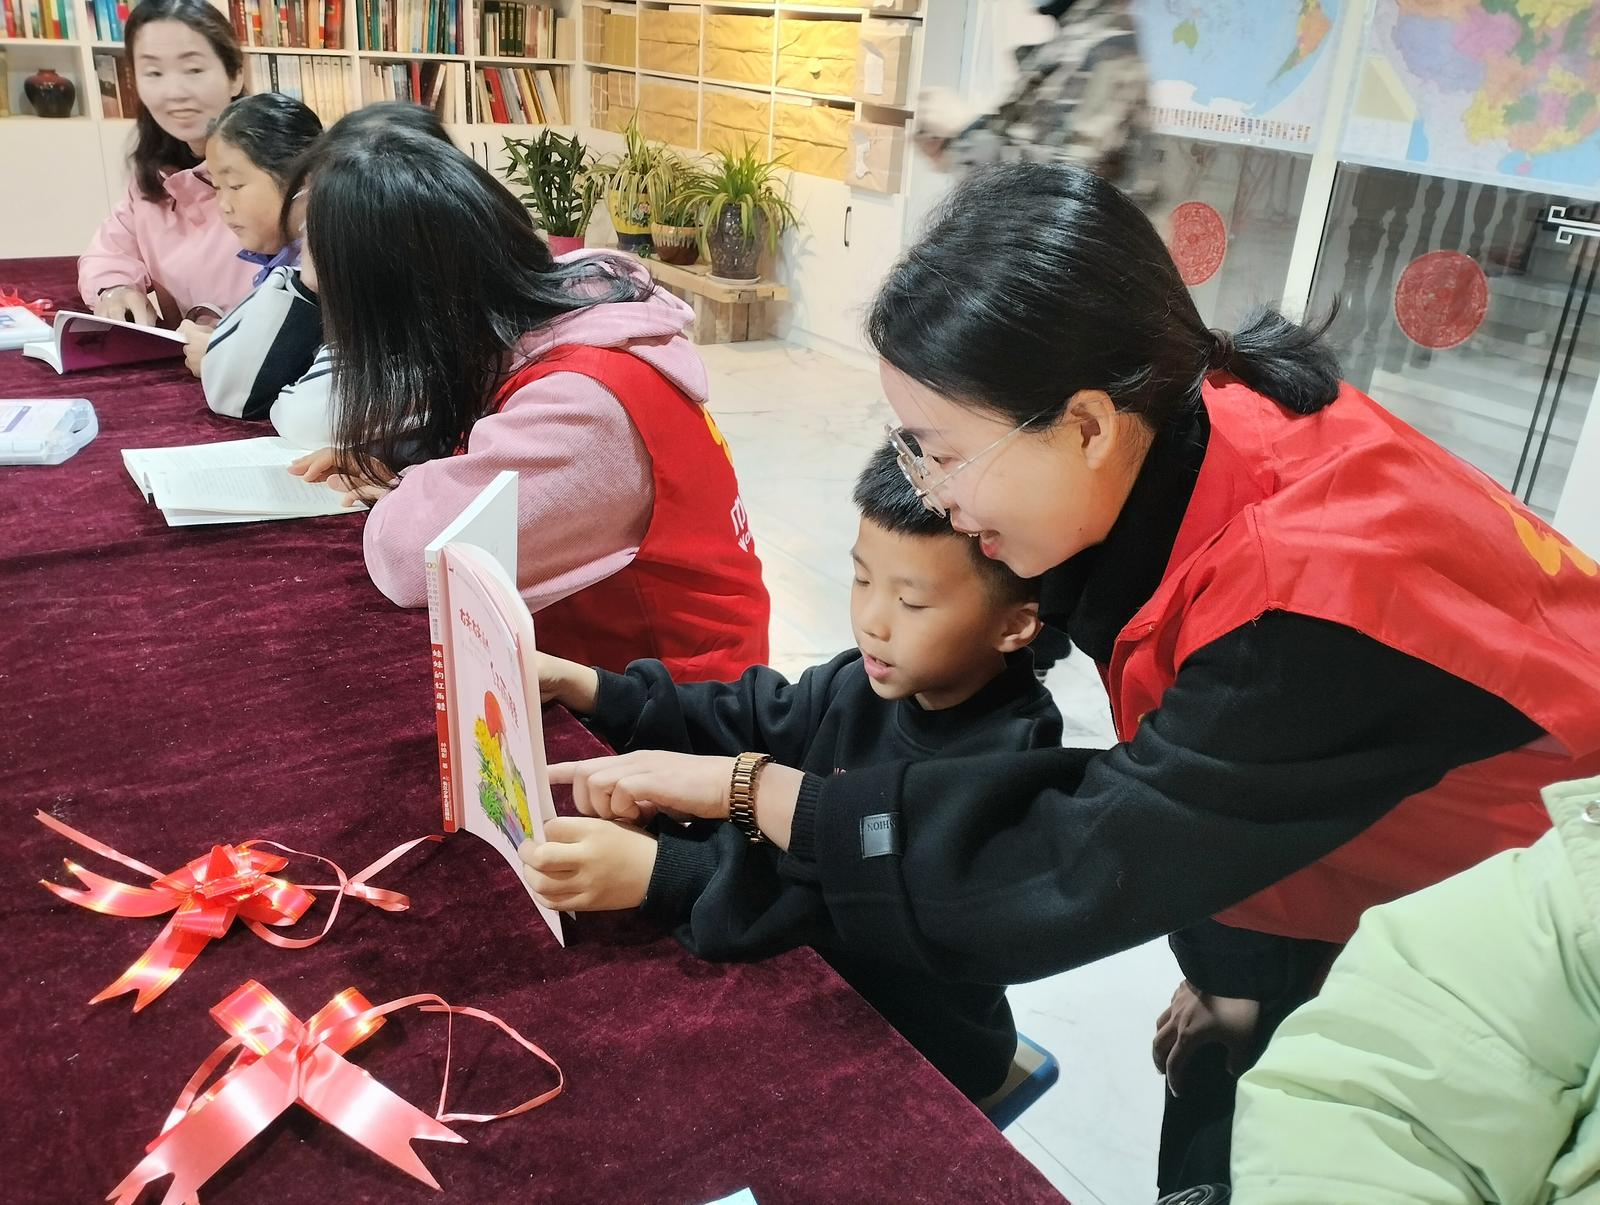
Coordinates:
[297,24]
[54,19]
[519,96]
[109,17]
[117,97]
[421,83]
[317,82]
[410,26]
[513,29]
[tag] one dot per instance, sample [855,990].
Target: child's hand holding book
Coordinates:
[588,865]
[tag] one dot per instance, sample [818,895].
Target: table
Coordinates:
[165,689]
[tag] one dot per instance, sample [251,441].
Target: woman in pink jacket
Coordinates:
[166,235]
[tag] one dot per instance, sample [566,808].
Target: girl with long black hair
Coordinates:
[166,237]
[461,348]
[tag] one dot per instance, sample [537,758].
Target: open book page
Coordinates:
[233,481]
[243,490]
[80,341]
[499,732]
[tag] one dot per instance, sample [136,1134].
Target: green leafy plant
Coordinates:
[746,181]
[625,177]
[675,187]
[557,184]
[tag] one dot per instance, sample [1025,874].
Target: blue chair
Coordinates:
[1033,1070]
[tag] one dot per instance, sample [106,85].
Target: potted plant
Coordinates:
[625,180]
[675,189]
[742,209]
[557,186]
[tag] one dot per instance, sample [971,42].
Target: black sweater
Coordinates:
[1276,744]
[728,899]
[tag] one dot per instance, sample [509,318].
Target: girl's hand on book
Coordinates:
[126,304]
[636,786]
[589,865]
[324,466]
[572,685]
[194,351]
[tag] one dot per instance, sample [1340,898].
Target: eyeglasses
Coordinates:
[908,454]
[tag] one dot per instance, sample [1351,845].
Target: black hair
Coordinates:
[429,271]
[887,499]
[270,129]
[1035,281]
[156,152]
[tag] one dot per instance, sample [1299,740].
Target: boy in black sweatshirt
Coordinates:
[942,668]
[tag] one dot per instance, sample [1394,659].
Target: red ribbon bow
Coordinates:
[206,895]
[39,307]
[280,1061]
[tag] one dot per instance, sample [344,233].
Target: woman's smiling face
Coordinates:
[1034,500]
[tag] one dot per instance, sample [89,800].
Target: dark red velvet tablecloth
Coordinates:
[164,689]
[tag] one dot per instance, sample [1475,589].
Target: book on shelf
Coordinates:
[409,26]
[237,481]
[519,96]
[427,84]
[51,20]
[493,780]
[288,24]
[515,29]
[108,17]
[5,86]
[317,82]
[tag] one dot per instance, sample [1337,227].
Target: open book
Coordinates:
[238,481]
[492,772]
[81,341]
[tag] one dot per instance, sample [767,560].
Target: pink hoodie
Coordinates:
[182,247]
[585,491]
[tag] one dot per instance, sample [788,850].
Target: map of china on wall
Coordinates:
[1247,71]
[1501,91]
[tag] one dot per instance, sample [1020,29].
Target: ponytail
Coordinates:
[1036,281]
[1282,360]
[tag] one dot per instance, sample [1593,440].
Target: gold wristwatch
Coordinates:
[742,794]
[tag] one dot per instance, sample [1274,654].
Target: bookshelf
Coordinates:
[713,75]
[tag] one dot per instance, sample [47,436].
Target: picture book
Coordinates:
[492,773]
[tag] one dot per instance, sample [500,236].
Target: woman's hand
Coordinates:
[636,786]
[589,865]
[197,337]
[325,466]
[1196,1019]
[572,685]
[125,303]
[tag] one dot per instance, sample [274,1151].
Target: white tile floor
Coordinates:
[801,425]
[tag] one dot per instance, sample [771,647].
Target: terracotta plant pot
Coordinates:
[676,244]
[563,244]
[50,94]
[735,256]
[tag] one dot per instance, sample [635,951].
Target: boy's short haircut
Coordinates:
[886,498]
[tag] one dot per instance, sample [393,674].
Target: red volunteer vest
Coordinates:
[693,596]
[1349,515]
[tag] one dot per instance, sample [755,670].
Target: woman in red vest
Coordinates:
[1340,661]
[460,349]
